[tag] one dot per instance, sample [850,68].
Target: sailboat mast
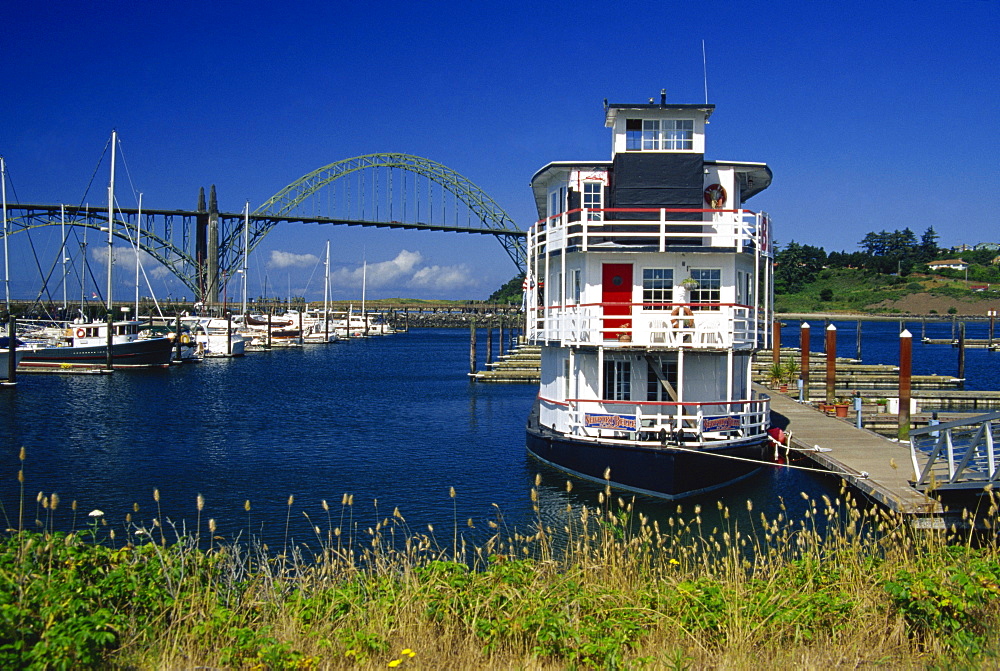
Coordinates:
[326,295]
[6,256]
[138,243]
[246,251]
[111,212]
[62,251]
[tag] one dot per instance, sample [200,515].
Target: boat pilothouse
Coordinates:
[649,288]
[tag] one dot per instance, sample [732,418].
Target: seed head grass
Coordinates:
[845,584]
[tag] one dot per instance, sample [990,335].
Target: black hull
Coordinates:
[138,353]
[663,472]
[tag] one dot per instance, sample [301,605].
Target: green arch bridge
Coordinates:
[203,247]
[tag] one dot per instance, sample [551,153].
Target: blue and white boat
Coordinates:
[649,288]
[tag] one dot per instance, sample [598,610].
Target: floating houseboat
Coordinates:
[649,287]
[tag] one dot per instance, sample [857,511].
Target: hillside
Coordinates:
[861,291]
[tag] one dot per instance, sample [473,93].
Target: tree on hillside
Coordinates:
[928,245]
[795,265]
[510,292]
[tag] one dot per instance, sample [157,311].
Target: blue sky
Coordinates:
[871,115]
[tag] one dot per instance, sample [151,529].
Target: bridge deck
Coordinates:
[855,452]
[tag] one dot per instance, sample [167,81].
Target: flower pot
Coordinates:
[841,409]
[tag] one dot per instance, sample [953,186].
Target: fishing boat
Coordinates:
[648,289]
[85,343]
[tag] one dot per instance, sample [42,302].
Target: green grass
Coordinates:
[600,587]
[849,290]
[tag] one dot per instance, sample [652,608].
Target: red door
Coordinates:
[616,299]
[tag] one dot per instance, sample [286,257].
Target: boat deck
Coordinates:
[874,465]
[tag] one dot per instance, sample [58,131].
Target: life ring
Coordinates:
[682,311]
[185,339]
[715,196]
[80,333]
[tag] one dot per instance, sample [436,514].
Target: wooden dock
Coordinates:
[879,468]
[521,364]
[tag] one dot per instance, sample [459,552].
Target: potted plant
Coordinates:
[882,404]
[776,373]
[791,371]
[841,406]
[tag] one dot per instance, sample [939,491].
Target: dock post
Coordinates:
[500,337]
[269,330]
[776,342]
[111,355]
[177,336]
[12,350]
[905,371]
[804,347]
[489,344]
[831,363]
[993,315]
[229,333]
[858,347]
[961,353]
[472,347]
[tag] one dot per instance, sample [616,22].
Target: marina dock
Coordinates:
[874,465]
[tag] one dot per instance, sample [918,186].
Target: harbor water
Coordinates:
[392,421]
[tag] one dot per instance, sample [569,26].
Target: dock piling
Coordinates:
[905,372]
[804,348]
[961,352]
[831,363]
[111,355]
[472,347]
[858,345]
[12,350]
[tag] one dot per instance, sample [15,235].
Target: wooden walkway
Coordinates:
[878,467]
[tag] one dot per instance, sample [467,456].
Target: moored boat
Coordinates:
[5,355]
[648,289]
[85,344]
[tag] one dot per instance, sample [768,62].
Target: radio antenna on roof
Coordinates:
[704,67]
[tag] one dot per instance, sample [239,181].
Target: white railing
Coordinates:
[677,325]
[713,422]
[738,229]
[957,455]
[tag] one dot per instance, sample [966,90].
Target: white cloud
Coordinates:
[445,278]
[291,260]
[405,271]
[379,274]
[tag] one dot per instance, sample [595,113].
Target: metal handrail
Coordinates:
[957,455]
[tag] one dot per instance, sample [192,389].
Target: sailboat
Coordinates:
[90,344]
[319,329]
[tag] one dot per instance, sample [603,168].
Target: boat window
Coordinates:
[566,379]
[657,288]
[633,134]
[659,134]
[617,380]
[557,201]
[709,288]
[574,287]
[593,200]
[654,387]
[678,133]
